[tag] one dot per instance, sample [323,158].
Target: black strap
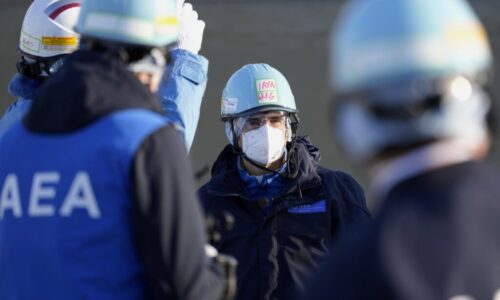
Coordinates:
[31,70]
[292,159]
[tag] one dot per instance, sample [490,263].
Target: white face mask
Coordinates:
[264,145]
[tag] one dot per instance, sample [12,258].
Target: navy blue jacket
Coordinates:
[437,237]
[278,247]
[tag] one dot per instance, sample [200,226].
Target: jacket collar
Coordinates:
[226,180]
[23,87]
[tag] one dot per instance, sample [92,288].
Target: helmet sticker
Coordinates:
[29,42]
[60,9]
[229,105]
[59,41]
[267,91]
[67,44]
[472,36]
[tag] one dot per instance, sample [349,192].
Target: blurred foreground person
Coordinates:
[97,199]
[410,78]
[48,36]
[286,207]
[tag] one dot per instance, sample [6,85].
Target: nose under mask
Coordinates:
[264,145]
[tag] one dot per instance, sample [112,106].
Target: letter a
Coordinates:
[81,195]
[9,198]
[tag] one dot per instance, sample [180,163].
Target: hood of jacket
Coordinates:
[88,86]
[303,162]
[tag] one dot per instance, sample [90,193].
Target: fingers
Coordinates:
[191,29]
[187,9]
[194,15]
[179,4]
[188,14]
[201,25]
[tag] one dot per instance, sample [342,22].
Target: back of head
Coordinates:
[138,32]
[129,24]
[47,35]
[408,72]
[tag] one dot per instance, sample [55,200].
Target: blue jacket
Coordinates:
[181,93]
[71,202]
[279,237]
[90,205]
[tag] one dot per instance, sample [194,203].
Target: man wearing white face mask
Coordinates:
[286,207]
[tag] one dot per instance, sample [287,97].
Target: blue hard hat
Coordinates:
[377,42]
[150,23]
[390,59]
[256,88]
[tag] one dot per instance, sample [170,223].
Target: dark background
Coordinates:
[289,35]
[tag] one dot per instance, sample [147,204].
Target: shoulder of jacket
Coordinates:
[343,186]
[339,176]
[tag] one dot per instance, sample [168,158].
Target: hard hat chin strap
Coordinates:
[30,70]
[38,69]
[128,53]
[256,164]
[292,168]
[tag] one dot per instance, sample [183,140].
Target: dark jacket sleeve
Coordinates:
[354,271]
[168,224]
[348,200]
[354,196]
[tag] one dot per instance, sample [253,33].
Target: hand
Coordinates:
[191,29]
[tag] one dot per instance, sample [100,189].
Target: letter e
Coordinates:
[38,191]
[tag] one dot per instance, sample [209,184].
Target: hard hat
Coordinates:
[150,23]
[256,88]
[406,72]
[48,28]
[381,41]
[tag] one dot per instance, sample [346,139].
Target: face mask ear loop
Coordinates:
[292,159]
[236,147]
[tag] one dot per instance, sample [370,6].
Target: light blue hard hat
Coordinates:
[150,23]
[406,72]
[382,41]
[256,88]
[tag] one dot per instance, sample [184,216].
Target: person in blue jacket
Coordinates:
[181,88]
[286,207]
[97,199]
[411,81]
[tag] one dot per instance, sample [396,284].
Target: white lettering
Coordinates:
[9,198]
[44,189]
[81,195]
[39,191]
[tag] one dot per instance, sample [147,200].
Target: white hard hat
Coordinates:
[48,28]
